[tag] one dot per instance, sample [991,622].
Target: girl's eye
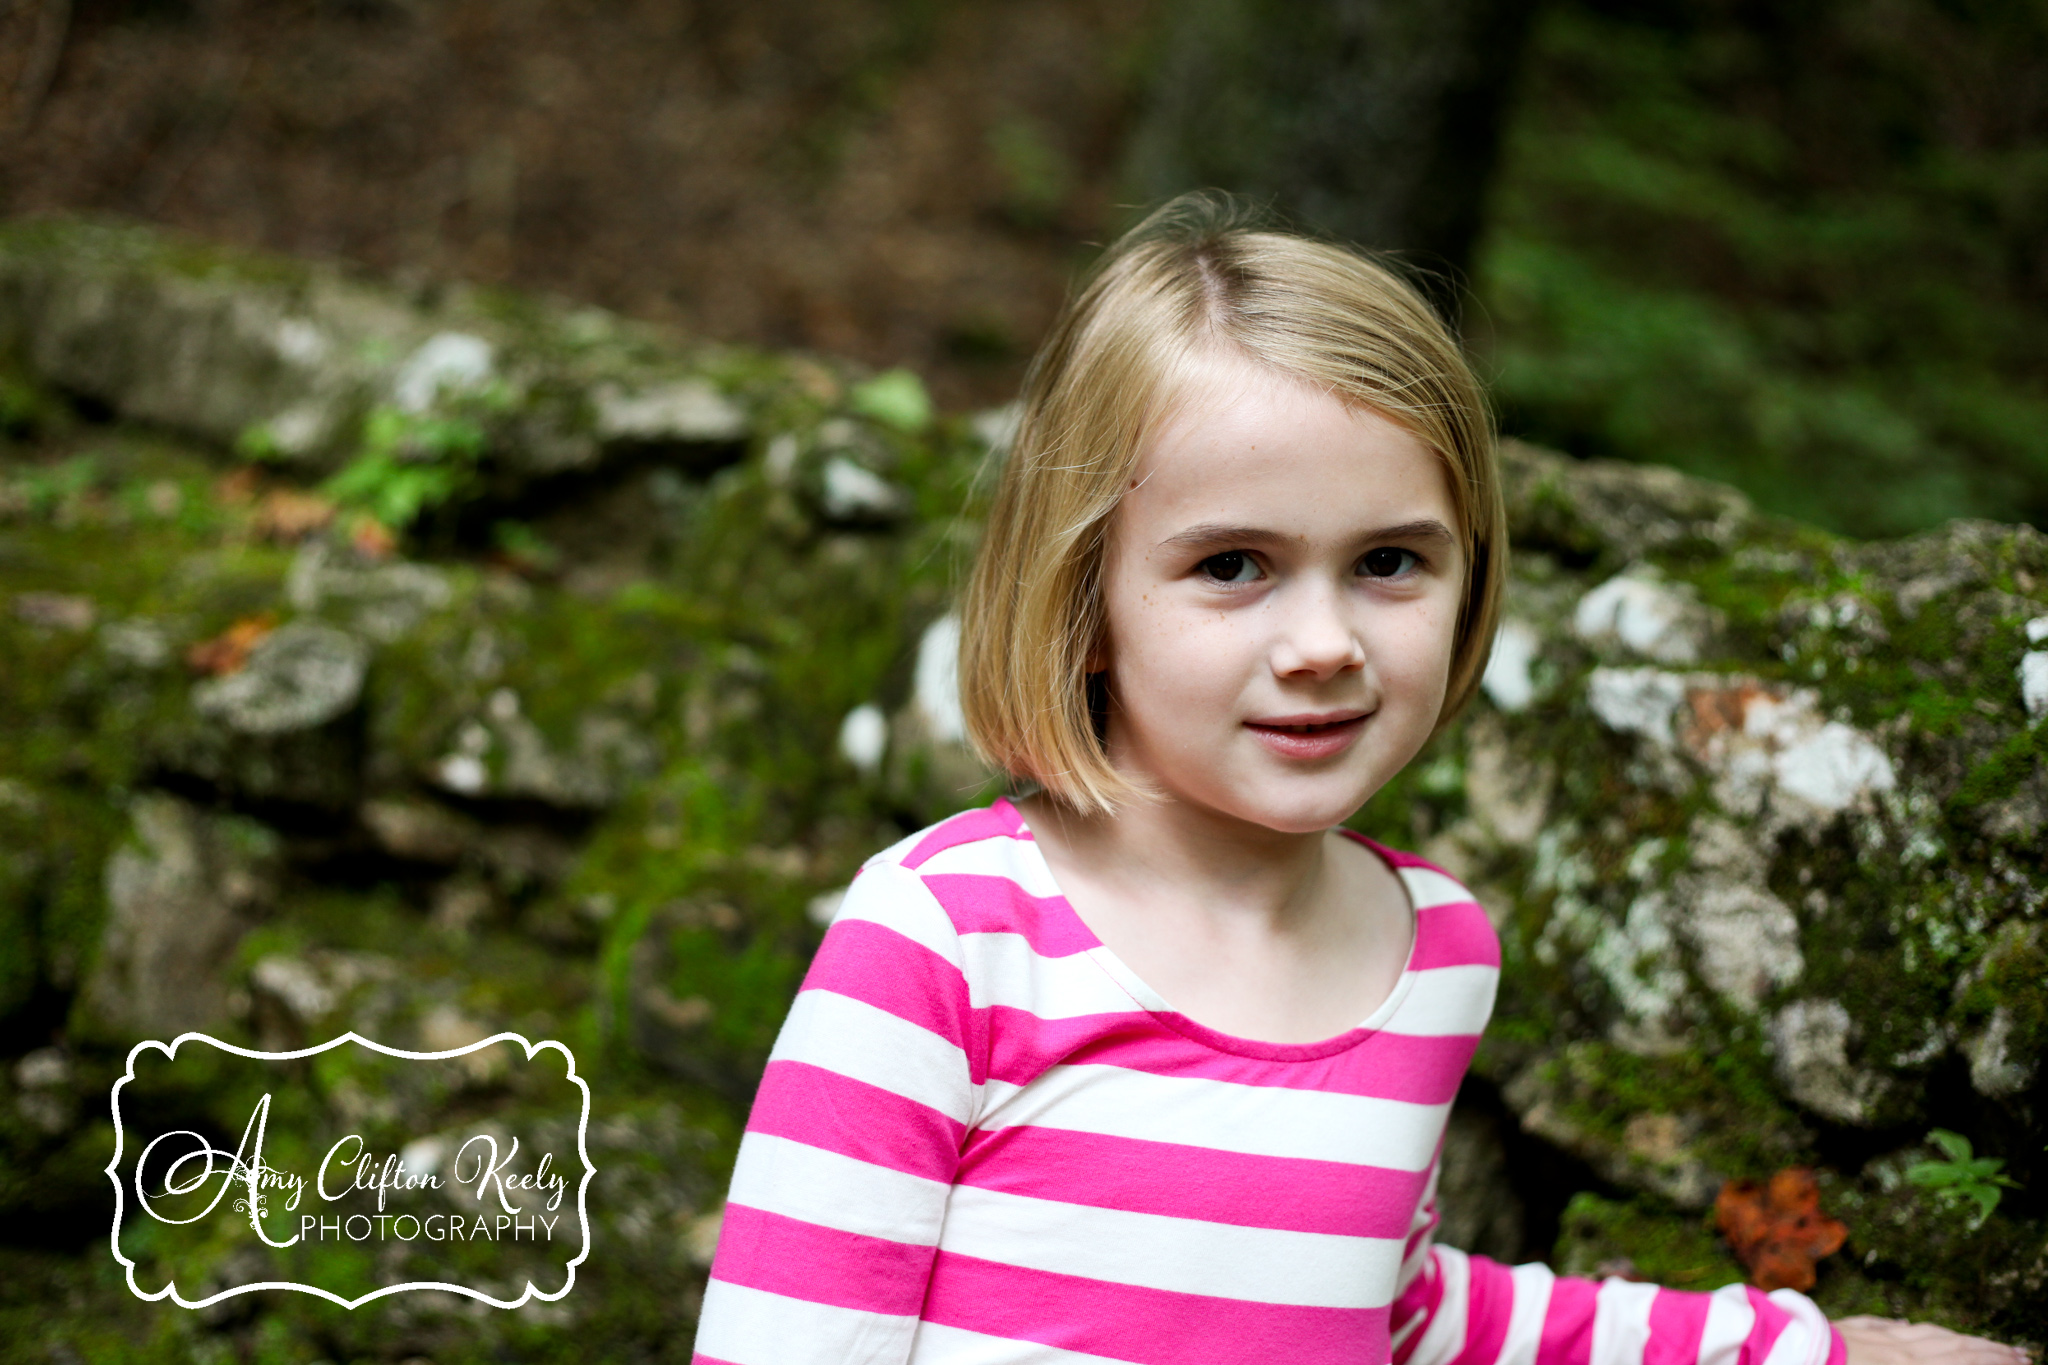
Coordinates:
[1232,566]
[1388,562]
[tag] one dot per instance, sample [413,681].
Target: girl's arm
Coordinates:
[849,1154]
[1456,1309]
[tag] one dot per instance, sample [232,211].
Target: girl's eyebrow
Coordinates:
[1214,533]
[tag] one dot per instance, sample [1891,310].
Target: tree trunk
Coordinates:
[1376,122]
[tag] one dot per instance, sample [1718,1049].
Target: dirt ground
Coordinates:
[902,181]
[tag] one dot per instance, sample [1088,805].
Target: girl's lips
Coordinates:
[1308,739]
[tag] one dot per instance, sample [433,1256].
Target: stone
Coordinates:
[180,895]
[286,359]
[137,643]
[1480,1210]
[446,363]
[2033,676]
[1768,748]
[1508,796]
[55,610]
[1508,681]
[383,601]
[1997,1069]
[936,682]
[299,677]
[1642,613]
[677,412]
[420,831]
[1746,938]
[852,494]
[864,737]
[1811,1041]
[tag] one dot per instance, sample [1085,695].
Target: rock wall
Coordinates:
[1758,813]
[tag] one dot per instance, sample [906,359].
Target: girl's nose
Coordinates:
[1315,641]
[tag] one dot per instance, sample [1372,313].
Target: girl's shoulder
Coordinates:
[1427,884]
[988,835]
[1451,927]
[978,872]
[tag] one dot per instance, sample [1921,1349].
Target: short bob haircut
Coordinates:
[1196,275]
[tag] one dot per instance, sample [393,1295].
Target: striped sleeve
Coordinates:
[1468,1310]
[843,1173]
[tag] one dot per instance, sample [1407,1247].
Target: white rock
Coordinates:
[1639,960]
[1748,940]
[302,343]
[1994,1070]
[1758,740]
[2033,675]
[997,427]
[44,1069]
[936,680]
[301,429]
[138,642]
[463,774]
[864,737]
[1644,613]
[1507,681]
[1811,1039]
[301,675]
[446,361]
[700,1238]
[424,1155]
[779,460]
[2037,630]
[684,410]
[1508,797]
[295,984]
[1636,701]
[822,907]
[852,493]
[1832,766]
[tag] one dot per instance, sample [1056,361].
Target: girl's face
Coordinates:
[1281,585]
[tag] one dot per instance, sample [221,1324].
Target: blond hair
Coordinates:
[1194,275]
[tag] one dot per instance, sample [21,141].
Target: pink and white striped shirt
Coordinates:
[980,1140]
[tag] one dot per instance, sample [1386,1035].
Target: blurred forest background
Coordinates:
[1799,245]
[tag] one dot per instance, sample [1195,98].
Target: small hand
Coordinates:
[1888,1341]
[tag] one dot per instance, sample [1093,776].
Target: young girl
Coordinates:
[1245,559]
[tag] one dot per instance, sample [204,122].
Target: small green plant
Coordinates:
[1964,1178]
[409,463]
[894,398]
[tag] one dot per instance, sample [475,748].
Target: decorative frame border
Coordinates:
[170,1051]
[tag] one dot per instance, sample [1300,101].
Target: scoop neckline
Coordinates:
[1159,1008]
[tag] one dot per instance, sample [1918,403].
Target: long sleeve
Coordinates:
[849,1155]
[1456,1309]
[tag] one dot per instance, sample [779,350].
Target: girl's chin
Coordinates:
[1284,807]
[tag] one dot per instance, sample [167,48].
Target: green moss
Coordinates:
[1999,773]
[1599,1236]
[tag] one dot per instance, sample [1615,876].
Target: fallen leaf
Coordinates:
[1777,1229]
[239,487]
[56,610]
[229,650]
[288,514]
[371,538]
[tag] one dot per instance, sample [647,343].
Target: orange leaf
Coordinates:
[371,538]
[1778,1230]
[229,650]
[287,514]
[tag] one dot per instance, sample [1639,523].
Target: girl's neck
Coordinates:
[1207,863]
